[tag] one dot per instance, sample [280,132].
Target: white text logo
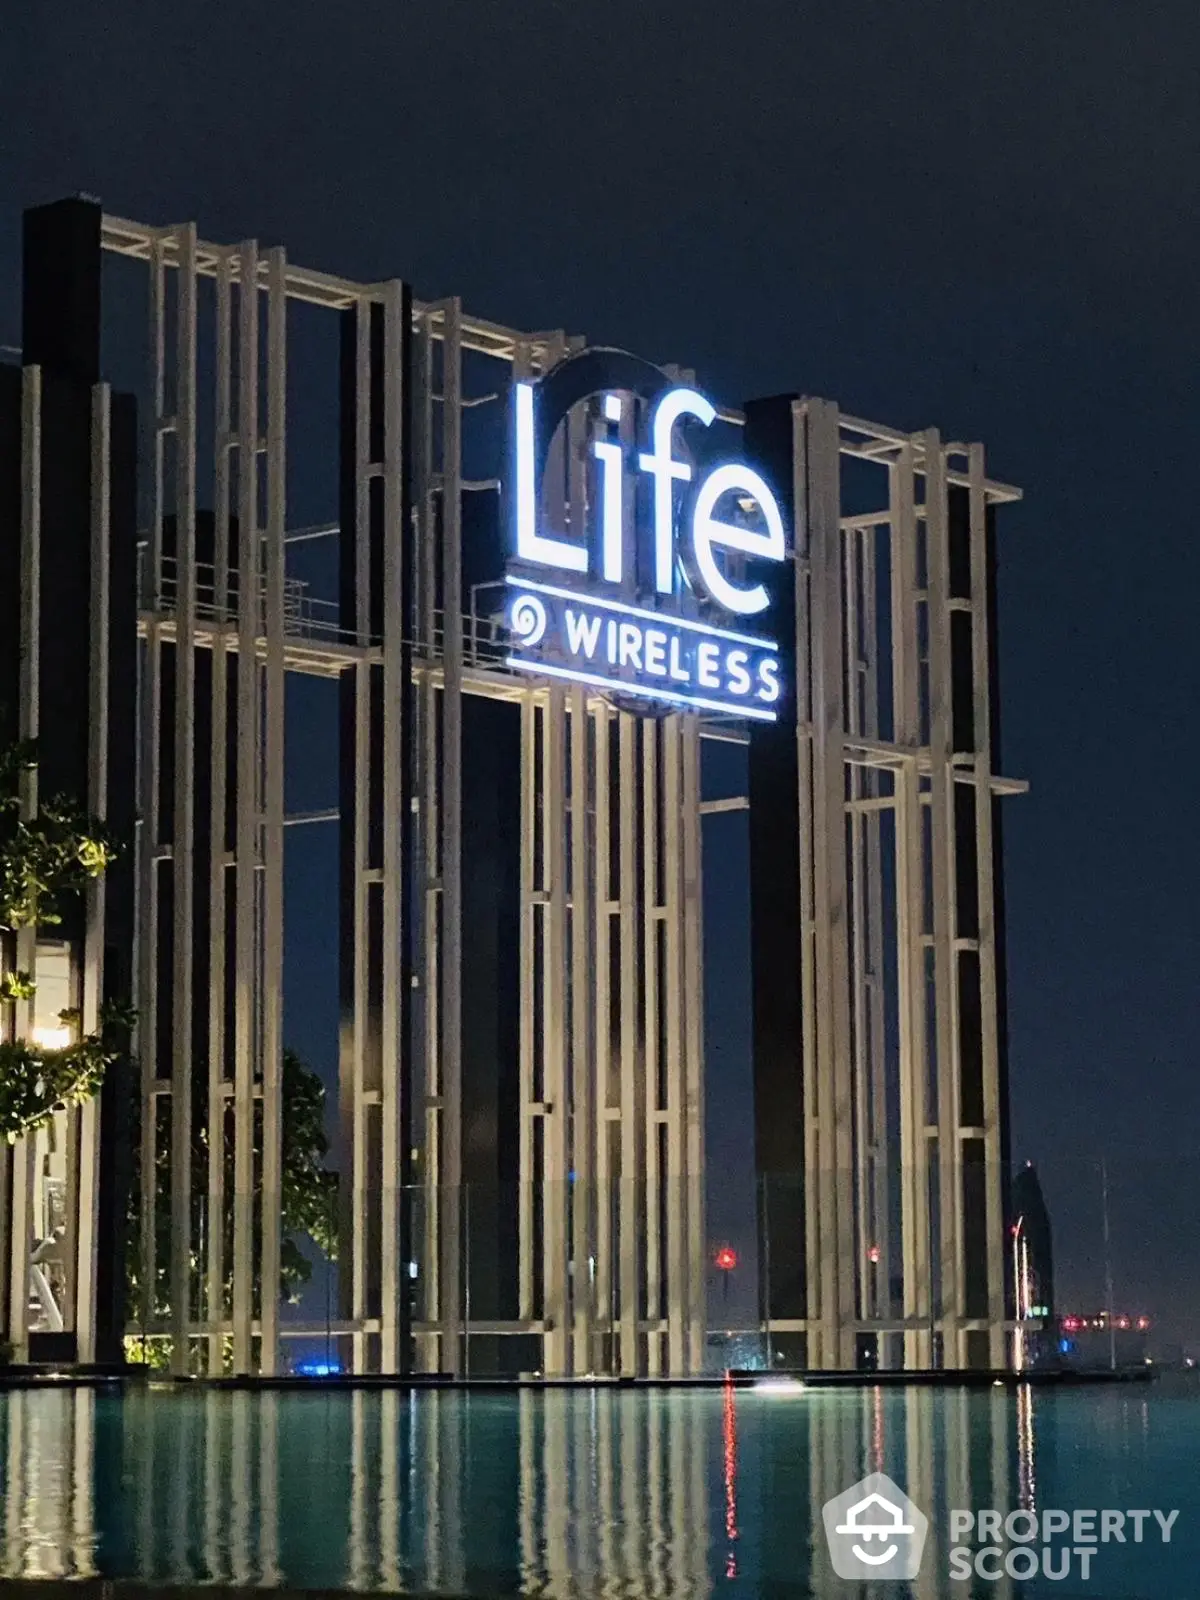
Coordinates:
[874,1531]
[709,533]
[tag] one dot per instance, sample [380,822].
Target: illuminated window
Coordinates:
[55,994]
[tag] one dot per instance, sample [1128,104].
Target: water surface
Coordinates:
[572,1492]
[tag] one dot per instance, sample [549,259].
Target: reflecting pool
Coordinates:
[656,1492]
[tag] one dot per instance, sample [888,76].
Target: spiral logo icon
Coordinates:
[527,619]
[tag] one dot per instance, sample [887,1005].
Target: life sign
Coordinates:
[699,539]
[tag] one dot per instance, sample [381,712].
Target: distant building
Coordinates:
[1033,1271]
[1103,1342]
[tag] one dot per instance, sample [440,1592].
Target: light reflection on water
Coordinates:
[655,1493]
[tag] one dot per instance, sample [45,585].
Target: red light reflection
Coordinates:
[729,1442]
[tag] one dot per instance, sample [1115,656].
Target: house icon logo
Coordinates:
[874,1530]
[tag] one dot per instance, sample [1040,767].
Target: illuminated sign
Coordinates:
[661,598]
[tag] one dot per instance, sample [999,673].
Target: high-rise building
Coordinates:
[1032,1269]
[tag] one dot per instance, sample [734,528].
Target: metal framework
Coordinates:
[611,1231]
[876,780]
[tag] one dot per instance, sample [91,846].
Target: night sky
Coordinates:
[983,218]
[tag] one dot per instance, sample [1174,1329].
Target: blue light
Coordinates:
[531,545]
[652,653]
[707,531]
[584,642]
[527,620]
[318,1369]
[733,478]
[620,686]
[666,471]
[757,640]
[612,466]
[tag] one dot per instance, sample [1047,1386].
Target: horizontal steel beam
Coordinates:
[122,236]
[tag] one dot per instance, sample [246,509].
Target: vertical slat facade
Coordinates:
[606,880]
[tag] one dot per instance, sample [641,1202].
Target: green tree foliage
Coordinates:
[44,860]
[308,1200]
[309,1191]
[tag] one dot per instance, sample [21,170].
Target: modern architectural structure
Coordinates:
[559,571]
[1033,1271]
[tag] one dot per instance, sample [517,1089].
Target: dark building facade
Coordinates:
[68,641]
[1033,1270]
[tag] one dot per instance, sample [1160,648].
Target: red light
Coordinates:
[873,1253]
[1143,1323]
[725,1258]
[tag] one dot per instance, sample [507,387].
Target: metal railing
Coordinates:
[316,621]
[310,616]
[305,615]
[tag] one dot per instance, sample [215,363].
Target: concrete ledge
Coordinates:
[118,1379]
[42,1374]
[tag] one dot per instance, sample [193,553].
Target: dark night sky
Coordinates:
[979,217]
